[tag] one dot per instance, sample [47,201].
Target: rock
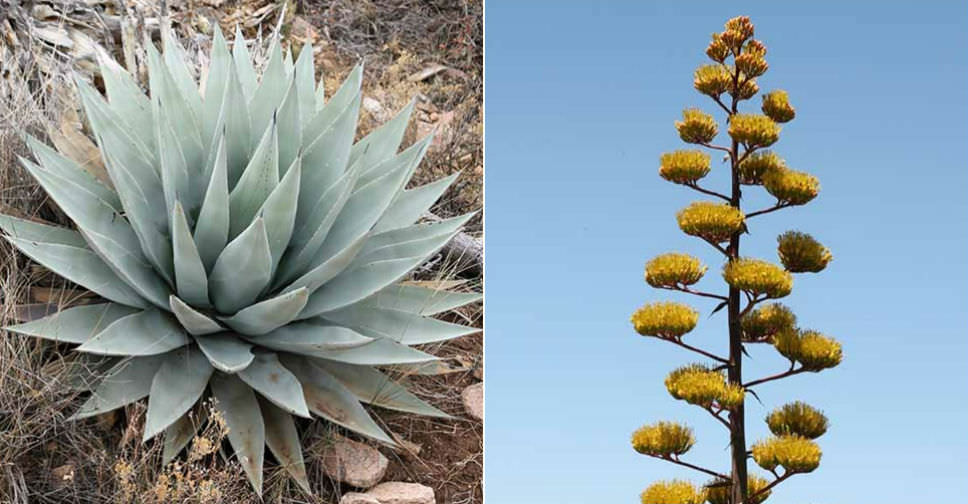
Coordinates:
[62,476]
[358,498]
[474,400]
[354,463]
[374,107]
[397,492]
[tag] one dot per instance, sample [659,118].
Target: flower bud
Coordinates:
[673,492]
[712,80]
[763,322]
[747,89]
[663,439]
[673,270]
[667,320]
[752,168]
[798,419]
[776,106]
[758,277]
[800,253]
[717,50]
[791,187]
[793,453]
[741,25]
[684,166]
[710,221]
[754,130]
[697,127]
[752,65]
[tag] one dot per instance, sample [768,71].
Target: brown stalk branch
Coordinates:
[696,187]
[774,208]
[718,147]
[697,350]
[675,460]
[717,417]
[683,288]
[790,372]
[772,484]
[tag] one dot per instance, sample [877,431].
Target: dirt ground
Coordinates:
[431,50]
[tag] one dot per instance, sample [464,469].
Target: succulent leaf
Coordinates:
[148,332]
[373,387]
[178,434]
[283,441]
[267,376]
[175,388]
[193,321]
[127,382]
[226,351]
[238,406]
[74,325]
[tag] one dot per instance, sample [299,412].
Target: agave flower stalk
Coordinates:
[246,248]
[721,388]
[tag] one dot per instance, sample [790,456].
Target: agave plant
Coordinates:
[246,248]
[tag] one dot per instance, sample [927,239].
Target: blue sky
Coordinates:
[580,102]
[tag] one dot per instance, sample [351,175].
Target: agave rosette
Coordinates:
[246,248]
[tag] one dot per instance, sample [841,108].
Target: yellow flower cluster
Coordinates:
[663,439]
[665,320]
[717,50]
[797,418]
[752,169]
[812,350]
[763,322]
[673,492]
[710,221]
[754,130]
[776,106]
[671,270]
[801,253]
[712,80]
[793,453]
[719,491]
[684,166]
[738,30]
[790,186]
[747,89]
[697,127]
[698,384]
[752,61]
[758,277]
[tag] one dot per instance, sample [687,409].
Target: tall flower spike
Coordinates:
[684,166]
[757,164]
[797,418]
[754,130]
[776,106]
[665,320]
[801,253]
[710,221]
[757,277]
[673,492]
[794,453]
[663,439]
[673,270]
[791,187]
[697,127]
[765,321]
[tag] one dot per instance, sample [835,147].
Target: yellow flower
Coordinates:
[713,222]
[800,253]
[767,320]
[752,62]
[758,277]
[752,168]
[717,50]
[814,351]
[684,166]
[747,89]
[697,127]
[754,130]
[665,320]
[719,491]
[673,492]
[817,352]
[741,25]
[712,80]
[791,187]
[793,453]
[776,106]
[698,384]
[663,439]
[799,419]
[672,270]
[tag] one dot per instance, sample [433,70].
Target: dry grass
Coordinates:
[45,458]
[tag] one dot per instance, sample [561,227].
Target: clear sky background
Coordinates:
[580,102]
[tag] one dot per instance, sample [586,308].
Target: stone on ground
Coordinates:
[396,492]
[354,463]
[474,400]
